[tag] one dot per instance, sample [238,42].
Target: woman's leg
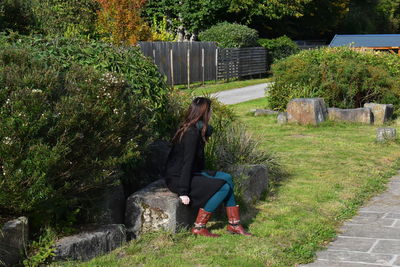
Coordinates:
[218,198]
[229,200]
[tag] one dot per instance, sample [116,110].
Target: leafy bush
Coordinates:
[230,35]
[344,77]
[71,114]
[279,48]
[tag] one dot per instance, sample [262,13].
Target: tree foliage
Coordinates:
[187,18]
[230,35]
[16,15]
[121,21]
[70,18]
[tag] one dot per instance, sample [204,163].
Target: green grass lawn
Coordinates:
[332,169]
[212,87]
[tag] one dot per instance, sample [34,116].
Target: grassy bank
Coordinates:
[333,169]
[212,87]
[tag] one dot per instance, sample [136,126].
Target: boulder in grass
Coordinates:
[253,181]
[307,111]
[155,207]
[385,134]
[360,115]
[381,112]
[261,112]
[91,243]
[282,118]
[13,241]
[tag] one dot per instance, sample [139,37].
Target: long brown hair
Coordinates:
[198,110]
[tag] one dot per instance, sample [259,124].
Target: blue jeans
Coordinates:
[224,194]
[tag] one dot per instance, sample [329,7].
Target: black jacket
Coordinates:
[185,162]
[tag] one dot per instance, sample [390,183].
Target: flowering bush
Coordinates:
[344,77]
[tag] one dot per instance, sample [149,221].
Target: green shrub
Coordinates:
[279,48]
[71,114]
[344,77]
[230,35]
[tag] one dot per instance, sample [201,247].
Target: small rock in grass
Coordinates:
[385,134]
[282,118]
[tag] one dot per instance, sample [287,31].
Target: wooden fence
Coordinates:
[183,62]
[188,62]
[239,62]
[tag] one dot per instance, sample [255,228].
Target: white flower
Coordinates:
[7,140]
[37,91]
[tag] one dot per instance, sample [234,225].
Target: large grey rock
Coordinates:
[361,115]
[13,241]
[282,118]
[385,134]
[261,112]
[307,111]
[109,206]
[91,243]
[154,208]
[381,112]
[253,181]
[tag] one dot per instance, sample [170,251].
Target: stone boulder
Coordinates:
[253,181]
[307,111]
[155,207]
[282,118]
[361,115]
[13,241]
[385,134]
[261,112]
[90,243]
[381,112]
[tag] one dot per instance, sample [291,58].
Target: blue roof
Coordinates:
[366,40]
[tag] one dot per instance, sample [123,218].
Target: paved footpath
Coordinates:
[238,95]
[372,238]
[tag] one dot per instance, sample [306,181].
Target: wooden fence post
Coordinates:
[154,56]
[188,67]
[216,64]
[171,54]
[202,64]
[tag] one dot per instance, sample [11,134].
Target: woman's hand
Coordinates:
[185,199]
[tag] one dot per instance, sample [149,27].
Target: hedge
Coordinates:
[344,77]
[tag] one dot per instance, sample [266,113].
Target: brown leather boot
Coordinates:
[200,224]
[234,226]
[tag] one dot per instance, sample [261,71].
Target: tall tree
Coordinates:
[121,20]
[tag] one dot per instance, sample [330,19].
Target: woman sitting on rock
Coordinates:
[185,174]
